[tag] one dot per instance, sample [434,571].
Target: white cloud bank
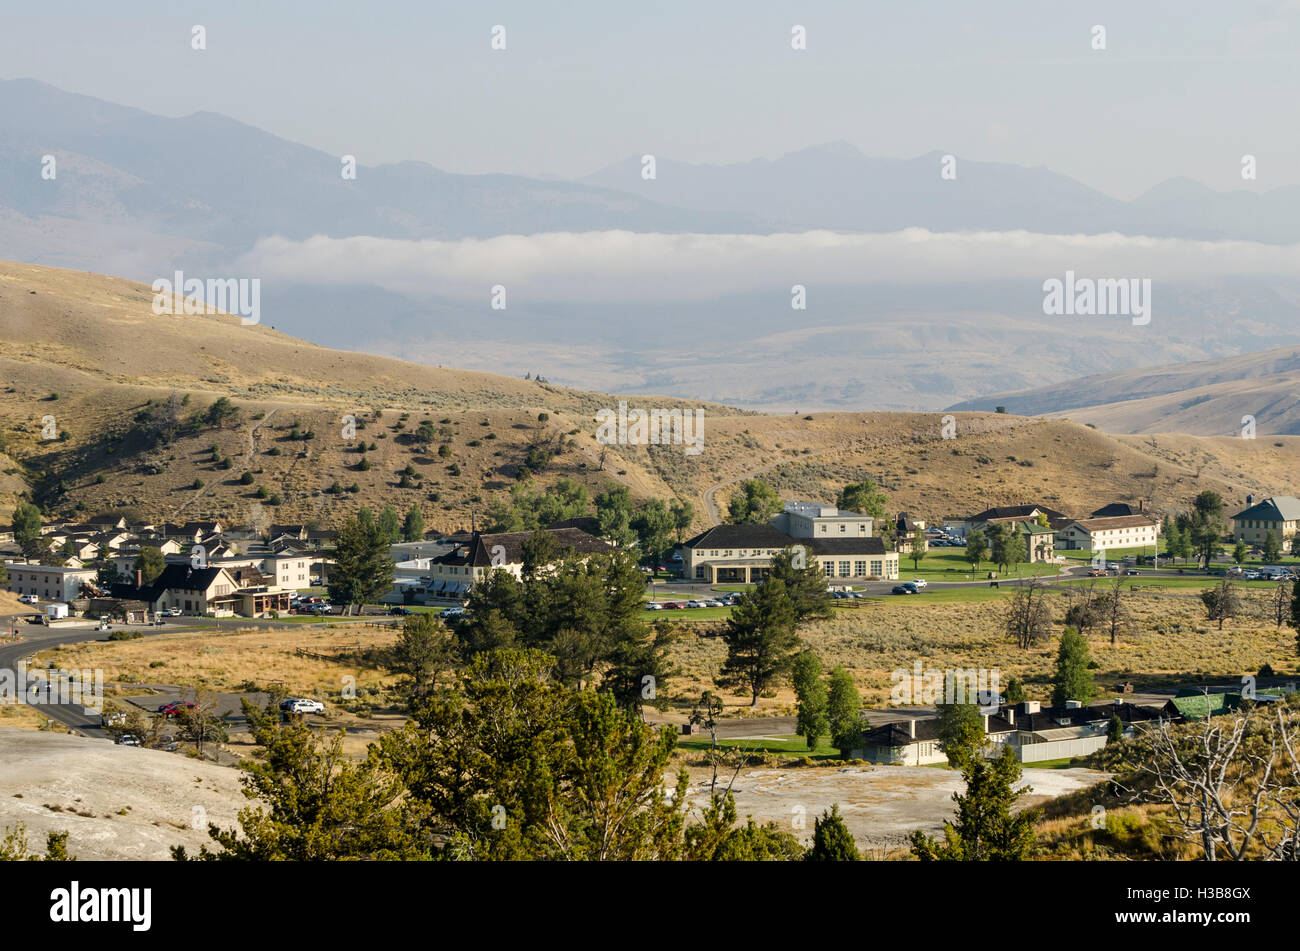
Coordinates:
[619,265]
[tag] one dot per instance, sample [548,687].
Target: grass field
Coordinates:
[1169,641]
[781,745]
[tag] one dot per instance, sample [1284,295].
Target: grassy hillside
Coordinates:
[87,350]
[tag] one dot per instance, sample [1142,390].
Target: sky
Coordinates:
[1182,89]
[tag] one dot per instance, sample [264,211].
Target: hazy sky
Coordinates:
[1185,87]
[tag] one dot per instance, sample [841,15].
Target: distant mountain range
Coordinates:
[836,186]
[139,195]
[1204,398]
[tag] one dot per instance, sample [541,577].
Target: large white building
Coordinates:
[839,542]
[1098,534]
[49,583]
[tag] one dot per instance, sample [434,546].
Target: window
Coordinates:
[859,568]
[844,569]
[823,529]
[828,569]
[843,528]
[877,568]
[862,529]
[699,571]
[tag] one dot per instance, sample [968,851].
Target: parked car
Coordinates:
[454,612]
[673,606]
[1097,573]
[919,582]
[172,612]
[653,606]
[302,705]
[713,603]
[695,603]
[175,707]
[399,610]
[902,589]
[127,739]
[29,599]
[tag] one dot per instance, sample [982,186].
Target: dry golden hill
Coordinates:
[88,351]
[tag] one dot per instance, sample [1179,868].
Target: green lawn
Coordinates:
[949,564]
[781,745]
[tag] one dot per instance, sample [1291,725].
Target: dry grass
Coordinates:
[225,661]
[1169,641]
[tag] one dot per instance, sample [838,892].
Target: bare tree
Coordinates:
[1221,603]
[1212,778]
[1113,611]
[1028,618]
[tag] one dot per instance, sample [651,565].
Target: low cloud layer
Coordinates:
[618,265]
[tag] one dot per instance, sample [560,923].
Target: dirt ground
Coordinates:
[881,805]
[116,802]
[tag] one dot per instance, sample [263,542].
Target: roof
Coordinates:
[844,546]
[587,523]
[477,551]
[57,569]
[181,577]
[745,535]
[1112,510]
[1279,508]
[1016,511]
[1119,521]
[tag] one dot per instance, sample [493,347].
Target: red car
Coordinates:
[673,606]
[175,707]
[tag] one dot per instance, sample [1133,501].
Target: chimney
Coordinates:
[1141,503]
[139,578]
[911,728]
[1010,714]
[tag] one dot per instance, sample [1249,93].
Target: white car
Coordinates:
[919,582]
[29,599]
[302,705]
[654,606]
[695,604]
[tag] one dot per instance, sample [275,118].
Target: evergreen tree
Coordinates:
[805,586]
[1072,680]
[865,498]
[363,571]
[832,840]
[985,830]
[761,640]
[26,523]
[413,525]
[756,502]
[390,526]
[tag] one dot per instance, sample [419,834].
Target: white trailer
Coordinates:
[56,611]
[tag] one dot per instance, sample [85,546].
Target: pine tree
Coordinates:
[985,830]
[832,840]
[761,640]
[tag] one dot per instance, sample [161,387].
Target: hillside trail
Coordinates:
[248,461]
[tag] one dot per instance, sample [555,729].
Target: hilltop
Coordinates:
[88,350]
